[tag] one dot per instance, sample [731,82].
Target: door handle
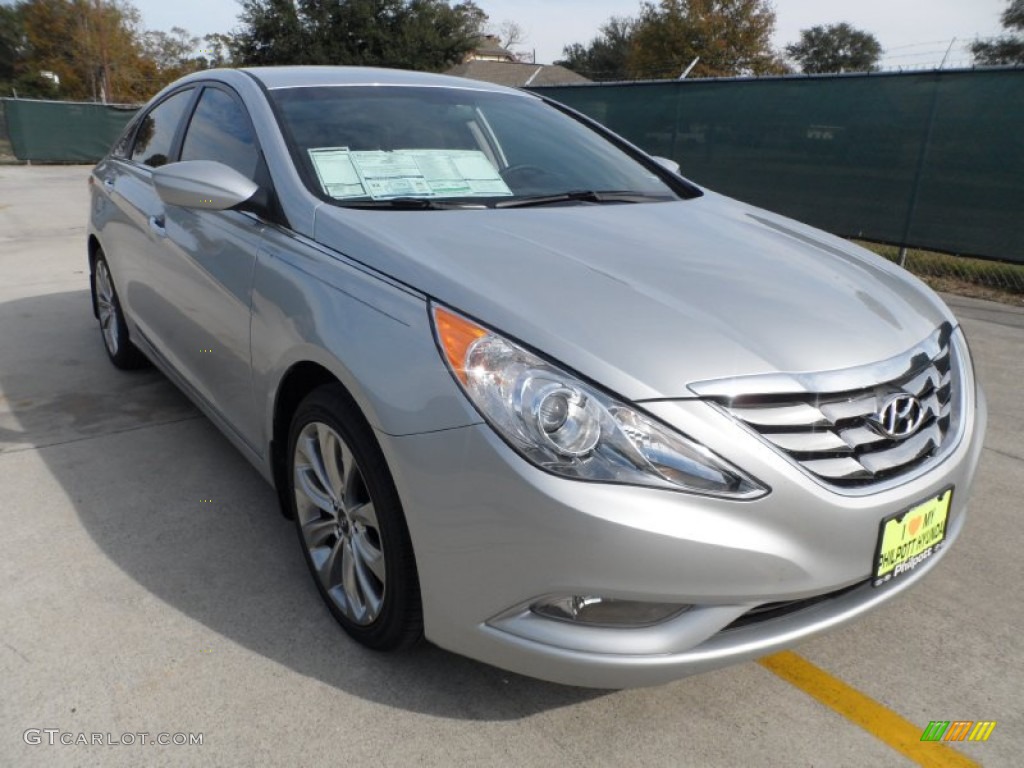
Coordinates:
[157,225]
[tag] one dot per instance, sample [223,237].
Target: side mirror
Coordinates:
[203,184]
[667,164]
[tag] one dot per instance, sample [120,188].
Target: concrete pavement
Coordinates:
[129,603]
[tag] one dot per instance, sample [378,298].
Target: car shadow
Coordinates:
[173,505]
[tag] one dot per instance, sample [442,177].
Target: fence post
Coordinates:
[675,123]
[922,158]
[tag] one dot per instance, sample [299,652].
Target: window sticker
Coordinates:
[459,173]
[390,174]
[336,172]
[381,175]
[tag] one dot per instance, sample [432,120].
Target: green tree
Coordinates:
[16,78]
[12,35]
[730,37]
[606,57]
[1008,49]
[49,45]
[271,34]
[216,50]
[835,48]
[106,43]
[90,49]
[174,50]
[177,53]
[412,34]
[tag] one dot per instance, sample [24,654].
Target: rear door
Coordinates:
[133,238]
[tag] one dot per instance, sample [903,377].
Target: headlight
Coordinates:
[573,429]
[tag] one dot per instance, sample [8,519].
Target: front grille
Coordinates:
[833,433]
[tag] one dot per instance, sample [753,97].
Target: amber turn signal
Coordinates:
[456,334]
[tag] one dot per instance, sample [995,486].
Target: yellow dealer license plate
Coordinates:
[907,539]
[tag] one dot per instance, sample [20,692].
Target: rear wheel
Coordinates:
[123,354]
[350,523]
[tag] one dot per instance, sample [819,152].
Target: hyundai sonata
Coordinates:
[524,389]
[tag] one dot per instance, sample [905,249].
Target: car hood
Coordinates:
[647,298]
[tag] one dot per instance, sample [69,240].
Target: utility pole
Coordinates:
[689,69]
[89,63]
[943,62]
[105,90]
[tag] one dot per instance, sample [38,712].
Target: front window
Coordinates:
[220,130]
[155,137]
[379,145]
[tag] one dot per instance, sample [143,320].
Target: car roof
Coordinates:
[311,76]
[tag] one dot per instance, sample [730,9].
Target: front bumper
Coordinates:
[492,534]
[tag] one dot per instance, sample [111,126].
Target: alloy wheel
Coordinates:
[338,522]
[105,303]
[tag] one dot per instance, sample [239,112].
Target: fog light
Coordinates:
[606,611]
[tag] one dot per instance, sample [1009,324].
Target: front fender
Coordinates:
[373,335]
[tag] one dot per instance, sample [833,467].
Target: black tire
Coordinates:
[113,327]
[364,481]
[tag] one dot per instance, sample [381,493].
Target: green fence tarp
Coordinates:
[932,160]
[928,159]
[63,132]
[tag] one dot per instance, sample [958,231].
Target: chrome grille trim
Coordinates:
[854,436]
[843,380]
[783,416]
[831,433]
[807,442]
[917,447]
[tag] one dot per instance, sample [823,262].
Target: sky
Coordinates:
[914,33]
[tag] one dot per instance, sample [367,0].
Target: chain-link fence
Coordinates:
[979,278]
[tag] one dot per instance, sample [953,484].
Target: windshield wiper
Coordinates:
[582,195]
[409,204]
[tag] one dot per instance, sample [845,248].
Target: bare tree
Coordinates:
[511,34]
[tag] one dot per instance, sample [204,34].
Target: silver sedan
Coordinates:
[525,390]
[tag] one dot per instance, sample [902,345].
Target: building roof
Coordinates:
[516,74]
[490,47]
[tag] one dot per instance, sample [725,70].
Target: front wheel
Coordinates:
[350,523]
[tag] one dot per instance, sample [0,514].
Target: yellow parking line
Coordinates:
[877,719]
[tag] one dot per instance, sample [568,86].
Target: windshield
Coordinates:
[389,145]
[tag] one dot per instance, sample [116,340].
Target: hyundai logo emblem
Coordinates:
[900,416]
